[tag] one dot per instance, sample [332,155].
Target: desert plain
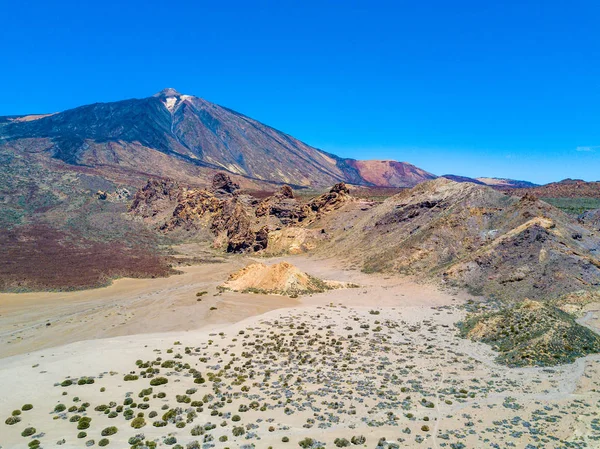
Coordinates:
[182,362]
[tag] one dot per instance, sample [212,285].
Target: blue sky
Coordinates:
[506,89]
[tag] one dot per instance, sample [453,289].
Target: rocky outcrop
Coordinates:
[222,184]
[192,207]
[334,199]
[472,236]
[590,219]
[218,209]
[120,195]
[531,333]
[289,211]
[283,206]
[233,221]
[154,197]
[238,222]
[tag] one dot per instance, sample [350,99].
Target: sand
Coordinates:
[381,361]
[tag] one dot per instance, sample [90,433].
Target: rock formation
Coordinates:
[282,278]
[472,236]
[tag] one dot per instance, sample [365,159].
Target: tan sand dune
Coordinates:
[281,278]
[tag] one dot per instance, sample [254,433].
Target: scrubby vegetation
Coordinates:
[28,431]
[158,381]
[328,366]
[574,206]
[532,333]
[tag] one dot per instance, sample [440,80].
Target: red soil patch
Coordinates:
[42,258]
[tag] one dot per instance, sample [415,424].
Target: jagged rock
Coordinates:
[340,187]
[151,199]
[120,195]
[192,206]
[529,198]
[591,219]
[337,195]
[227,214]
[286,192]
[222,183]
[288,210]
[233,220]
[282,205]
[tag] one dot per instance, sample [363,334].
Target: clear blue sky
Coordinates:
[506,89]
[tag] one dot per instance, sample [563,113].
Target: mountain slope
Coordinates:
[469,235]
[128,134]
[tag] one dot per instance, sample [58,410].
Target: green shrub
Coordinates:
[138,423]
[285,439]
[130,377]
[60,408]
[81,435]
[103,442]
[359,439]
[306,443]
[84,423]
[135,440]
[158,381]
[341,442]
[28,432]
[109,431]
[12,420]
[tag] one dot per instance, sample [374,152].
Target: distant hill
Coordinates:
[457,178]
[504,183]
[567,188]
[497,183]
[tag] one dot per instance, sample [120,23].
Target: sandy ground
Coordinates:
[32,321]
[382,361]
